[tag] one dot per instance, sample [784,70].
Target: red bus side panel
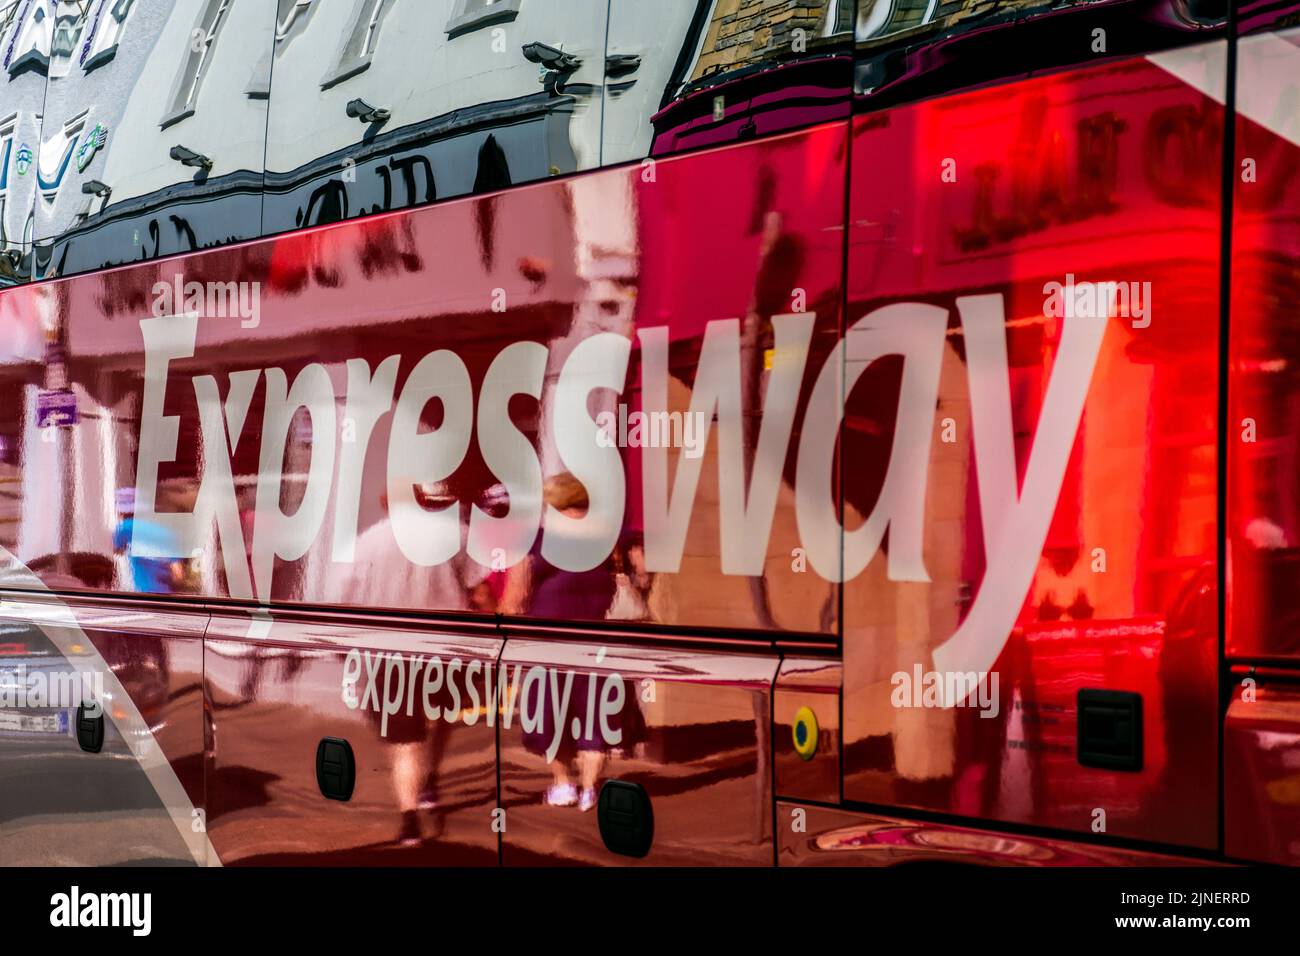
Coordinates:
[1033,276]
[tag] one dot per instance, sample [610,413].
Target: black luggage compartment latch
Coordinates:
[1110,729]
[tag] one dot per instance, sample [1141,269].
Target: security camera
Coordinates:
[361,110]
[551,58]
[187,157]
[621,64]
[93,187]
[556,65]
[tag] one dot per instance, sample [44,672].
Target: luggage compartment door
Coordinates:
[670,740]
[350,742]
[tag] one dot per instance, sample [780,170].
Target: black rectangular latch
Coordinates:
[90,727]
[336,768]
[626,818]
[1110,729]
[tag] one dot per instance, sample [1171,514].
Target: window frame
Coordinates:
[35,58]
[78,27]
[298,15]
[177,109]
[465,20]
[367,20]
[8,140]
[92,60]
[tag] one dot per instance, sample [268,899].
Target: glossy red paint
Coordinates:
[690,726]
[598,254]
[425,786]
[1261,773]
[1264,470]
[812,683]
[1104,174]
[674,674]
[825,836]
[553,264]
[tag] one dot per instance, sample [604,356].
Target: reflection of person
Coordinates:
[133,538]
[586,751]
[535,587]
[381,576]
[631,583]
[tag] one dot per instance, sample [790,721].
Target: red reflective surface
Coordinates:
[824,836]
[1261,772]
[1068,539]
[689,726]
[134,801]
[424,746]
[1264,469]
[814,684]
[383,495]
[277,456]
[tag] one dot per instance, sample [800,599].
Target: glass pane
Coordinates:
[384,104]
[910,49]
[682,74]
[25,30]
[154,133]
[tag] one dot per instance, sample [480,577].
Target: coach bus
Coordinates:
[615,432]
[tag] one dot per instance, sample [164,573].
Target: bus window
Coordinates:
[26,43]
[384,104]
[154,130]
[684,74]
[912,49]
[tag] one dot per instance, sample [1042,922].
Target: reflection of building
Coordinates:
[747,32]
[24,49]
[880,19]
[132,81]
[750,67]
[132,130]
[382,104]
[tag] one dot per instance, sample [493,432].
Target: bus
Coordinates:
[611,432]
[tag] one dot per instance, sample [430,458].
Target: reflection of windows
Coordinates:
[100,44]
[202,42]
[359,44]
[6,149]
[8,8]
[6,157]
[56,154]
[30,47]
[884,18]
[839,17]
[469,15]
[291,19]
[69,20]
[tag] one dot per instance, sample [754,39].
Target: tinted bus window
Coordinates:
[154,130]
[26,31]
[1254,16]
[911,49]
[384,104]
[682,74]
